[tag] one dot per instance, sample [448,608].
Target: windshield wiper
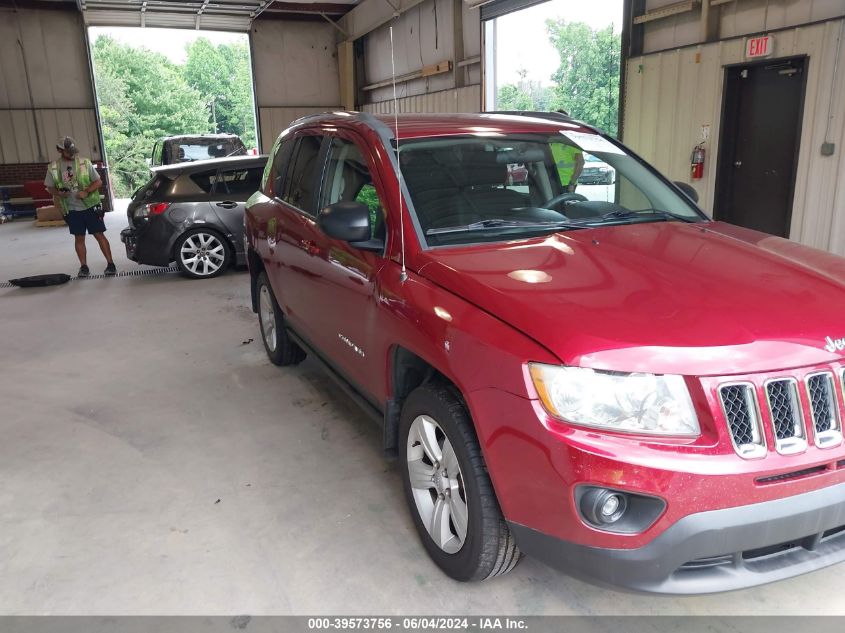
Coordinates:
[629,215]
[499,223]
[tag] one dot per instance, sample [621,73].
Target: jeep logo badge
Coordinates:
[832,345]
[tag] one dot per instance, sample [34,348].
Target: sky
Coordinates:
[523,42]
[169,42]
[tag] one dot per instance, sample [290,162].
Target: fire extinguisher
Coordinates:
[697,162]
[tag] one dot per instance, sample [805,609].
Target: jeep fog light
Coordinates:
[631,403]
[601,507]
[617,511]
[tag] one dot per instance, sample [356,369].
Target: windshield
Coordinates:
[474,189]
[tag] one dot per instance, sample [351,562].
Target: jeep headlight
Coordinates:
[632,403]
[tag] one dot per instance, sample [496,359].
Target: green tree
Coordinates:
[524,95]
[164,102]
[125,142]
[143,97]
[223,76]
[587,80]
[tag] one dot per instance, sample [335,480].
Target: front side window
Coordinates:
[301,177]
[471,189]
[348,178]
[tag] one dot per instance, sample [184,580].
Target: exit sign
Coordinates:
[760,47]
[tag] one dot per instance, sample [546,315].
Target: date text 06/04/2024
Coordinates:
[416,623]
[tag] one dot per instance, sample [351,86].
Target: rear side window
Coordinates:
[156,154]
[204,179]
[238,182]
[301,179]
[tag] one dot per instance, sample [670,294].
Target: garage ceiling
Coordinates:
[211,15]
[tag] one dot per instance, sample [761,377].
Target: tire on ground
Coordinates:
[489,548]
[281,350]
[214,266]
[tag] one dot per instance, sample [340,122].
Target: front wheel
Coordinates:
[281,350]
[202,254]
[448,490]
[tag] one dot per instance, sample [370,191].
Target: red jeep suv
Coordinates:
[609,382]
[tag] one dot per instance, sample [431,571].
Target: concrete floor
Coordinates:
[152,461]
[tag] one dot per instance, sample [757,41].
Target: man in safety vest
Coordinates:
[75,184]
[569,161]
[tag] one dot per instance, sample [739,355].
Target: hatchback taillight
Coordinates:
[143,212]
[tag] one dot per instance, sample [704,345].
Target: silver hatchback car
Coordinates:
[193,214]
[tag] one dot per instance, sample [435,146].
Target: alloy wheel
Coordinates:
[203,254]
[267,315]
[437,484]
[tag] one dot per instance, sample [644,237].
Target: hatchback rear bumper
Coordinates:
[718,550]
[145,251]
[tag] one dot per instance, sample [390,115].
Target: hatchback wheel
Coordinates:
[448,490]
[281,350]
[202,254]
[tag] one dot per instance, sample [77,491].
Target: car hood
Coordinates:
[694,299]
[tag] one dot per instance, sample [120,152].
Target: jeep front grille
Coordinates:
[739,404]
[785,409]
[788,410]
[822,396]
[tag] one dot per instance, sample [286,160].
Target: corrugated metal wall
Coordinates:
[461,100]
[45,85]
[296,73]
[670,95]
[163,20]
[18,138]
[740,17]
[274,120]
[422,36]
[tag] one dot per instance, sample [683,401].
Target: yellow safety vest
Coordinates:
[83,180]
[564,156]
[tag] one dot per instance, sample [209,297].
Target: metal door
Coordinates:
[761,135]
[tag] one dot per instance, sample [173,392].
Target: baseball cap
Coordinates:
[67,144]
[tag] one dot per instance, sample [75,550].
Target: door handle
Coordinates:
[738,163]
[227,204]
[309,247]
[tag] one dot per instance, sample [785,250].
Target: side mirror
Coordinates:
[347,221]
[688,190]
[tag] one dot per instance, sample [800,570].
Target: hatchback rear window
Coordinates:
[190,153]
[239,181]
[204,179]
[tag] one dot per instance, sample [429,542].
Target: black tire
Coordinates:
[281,350]
[205,264]
[489,548]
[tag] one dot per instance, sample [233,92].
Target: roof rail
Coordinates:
[554,116]
[324,113]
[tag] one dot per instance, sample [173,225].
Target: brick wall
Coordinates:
[18,174]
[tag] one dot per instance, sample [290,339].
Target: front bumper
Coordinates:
[707,552]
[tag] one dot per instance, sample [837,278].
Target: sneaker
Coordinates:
[83,271]
[110,270]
